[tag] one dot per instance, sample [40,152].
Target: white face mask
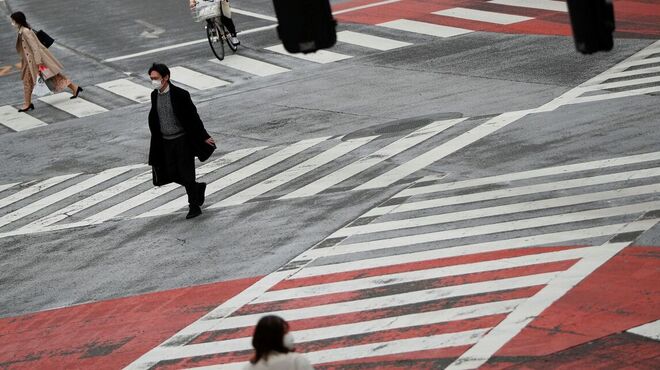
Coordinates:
[156,83]
[15,25]
[288,341]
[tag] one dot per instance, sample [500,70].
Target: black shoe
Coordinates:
[200,193]
[78,91]
[193,212]
[30,107]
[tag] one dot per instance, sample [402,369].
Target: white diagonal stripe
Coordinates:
[369,41]
[239,175]
[430,29]
[63,194]
[33,189]
[419,275]
[295,172]
[195,79]
[471,249]
[634,72]
[17,121]
[619,84]
[517,191]
[558,6]
[614,95]
[7,186]
[638,62]
[249,65]
[485,229]
[650,330]
[128,89]
[373,159]
[482,16]
[77,107]
[320,56]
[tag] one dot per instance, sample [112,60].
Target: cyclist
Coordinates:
[226,19]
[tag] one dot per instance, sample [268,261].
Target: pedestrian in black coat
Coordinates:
[177,136]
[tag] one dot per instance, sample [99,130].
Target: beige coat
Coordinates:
[33,54]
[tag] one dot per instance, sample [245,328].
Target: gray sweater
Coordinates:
[170,127]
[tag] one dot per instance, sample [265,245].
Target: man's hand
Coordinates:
[210,141]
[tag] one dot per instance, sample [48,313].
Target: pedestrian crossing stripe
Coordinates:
[425,28]
[194,79]
[482,16]
[128,89]
[17,121]
[249,65]
[320,56]
[369,41]
[76,107]
[553,5]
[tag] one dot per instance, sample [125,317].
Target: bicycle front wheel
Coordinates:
[227,36]
[215,36]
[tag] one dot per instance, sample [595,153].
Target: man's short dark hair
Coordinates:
[160,68]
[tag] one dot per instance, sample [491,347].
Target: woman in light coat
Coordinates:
[274,347]
[34,55]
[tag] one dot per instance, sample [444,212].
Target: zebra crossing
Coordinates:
[457,267]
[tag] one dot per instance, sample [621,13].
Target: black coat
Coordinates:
[186,113]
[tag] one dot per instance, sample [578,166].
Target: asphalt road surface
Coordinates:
[451,186]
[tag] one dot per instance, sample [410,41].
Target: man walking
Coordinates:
[177,136]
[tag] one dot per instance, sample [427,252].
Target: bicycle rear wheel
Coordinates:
[215,36]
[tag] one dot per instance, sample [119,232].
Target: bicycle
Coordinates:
[216,32]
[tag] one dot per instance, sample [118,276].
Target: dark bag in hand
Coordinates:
[43,37]
[305,26]
[160,177]
[204,151]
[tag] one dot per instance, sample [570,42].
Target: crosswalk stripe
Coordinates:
[558,6]
[471,249]
[449,147]
[86,203]
[320,56]
[615,95]
[370,41]
[650,330]
[418,275]
[239,175]
[17,121]
[609,76]
[7,186]
[294,172]
[128,89]
[249,65]
[638,62]
[619,84]
[373,159]
[77,107]
[482,16]
[63,194]
[497,210]
[516,191]
[531,174]
[195,79]
[34,189]
[490,229]
[430,29]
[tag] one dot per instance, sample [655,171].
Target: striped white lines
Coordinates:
[195,79]
[128,89]
[34,189]
[482,16]
[249,65]
[369,41]
[553,5]
[295,172]
[17,121]
[320,56]
[430,29]
[650,330]
[76,107]
[7,186]
[373,159]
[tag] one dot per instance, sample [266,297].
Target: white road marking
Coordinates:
[650,330]
[63,194]
[128,89]
[294,172]
[517,191]
[77,107]
[386,2]
[34,189]
[490,229]
[17,121]
[471,249]
[321,56]
[195,79]
[497,210]
[609,76]
[638,62]
[386,280]
[249,65]
[402,171]
[369,41]
[399,146]
[7,186]
[430,29]
[238,175]
[482,16]
[616,95]
[253,14]
[531,308]
[620,84]
[558,6]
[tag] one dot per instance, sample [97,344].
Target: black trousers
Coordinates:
[180,166]
[229,23]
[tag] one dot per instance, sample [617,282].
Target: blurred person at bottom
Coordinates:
[274,347]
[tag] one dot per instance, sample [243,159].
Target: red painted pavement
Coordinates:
[108,334]
[634,18]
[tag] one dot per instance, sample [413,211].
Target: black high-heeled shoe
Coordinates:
[78,91]
[29,108]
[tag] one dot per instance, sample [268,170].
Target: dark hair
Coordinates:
[267,337]
[19,18]
[160,68]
